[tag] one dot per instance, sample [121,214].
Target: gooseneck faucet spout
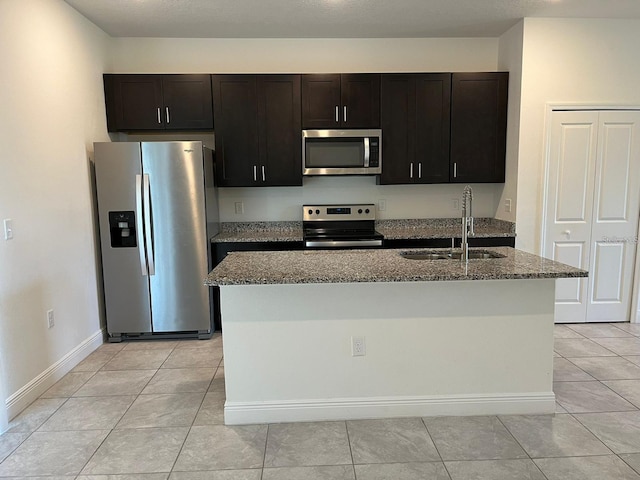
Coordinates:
[467,221]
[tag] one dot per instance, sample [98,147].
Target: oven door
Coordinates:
[340,152]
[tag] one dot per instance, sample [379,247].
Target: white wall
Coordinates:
[52,110]
[166,55]
[567,61]
[510,60]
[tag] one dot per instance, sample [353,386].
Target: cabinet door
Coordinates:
[236,136]
[397,118]
[133,102]
[187,102]
[433,108]
[360,95]
[478,126]
[321,101]
[415,125]
[279,127]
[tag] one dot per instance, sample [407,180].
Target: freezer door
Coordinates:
[179,298]
[126,288]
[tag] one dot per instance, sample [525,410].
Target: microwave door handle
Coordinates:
[366,152]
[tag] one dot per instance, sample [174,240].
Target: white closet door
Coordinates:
[569,203]
[615,217]
[592,203]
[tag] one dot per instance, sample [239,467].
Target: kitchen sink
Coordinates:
[424,256]
[473,255]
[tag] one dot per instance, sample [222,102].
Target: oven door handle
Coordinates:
[343,243]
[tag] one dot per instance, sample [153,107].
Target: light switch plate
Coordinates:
[8,229]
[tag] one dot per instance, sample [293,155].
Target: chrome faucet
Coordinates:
[467,221]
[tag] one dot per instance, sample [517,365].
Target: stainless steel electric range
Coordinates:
[340,226]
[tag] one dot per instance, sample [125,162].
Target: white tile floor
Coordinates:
[154,411]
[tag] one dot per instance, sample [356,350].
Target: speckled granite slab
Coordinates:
[259,232]
[443,228]
[291,231]
[378,265]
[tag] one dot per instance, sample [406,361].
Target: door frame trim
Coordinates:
[551,107]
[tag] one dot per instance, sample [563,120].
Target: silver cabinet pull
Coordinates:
[411,170]
[166,110]
[264,177]
[420,170]
[159,118]
[455,170]
[255,173]
[337,114]
[345,113]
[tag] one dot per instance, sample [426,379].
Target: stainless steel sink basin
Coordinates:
[476,255]
[473,255]
[424,256]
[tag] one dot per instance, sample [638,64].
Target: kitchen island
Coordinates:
[439,337]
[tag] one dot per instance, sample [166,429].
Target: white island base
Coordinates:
[431,348]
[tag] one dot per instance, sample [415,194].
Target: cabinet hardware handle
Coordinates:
[345,114]
[255,173]
[567,233]
[411,170]
[264,177]
[159,119]
[166,109]
[420,170]
[455,170]
[337,114]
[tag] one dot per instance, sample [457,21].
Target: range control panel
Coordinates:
[360,211]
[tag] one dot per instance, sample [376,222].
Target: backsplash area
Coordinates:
[400,201]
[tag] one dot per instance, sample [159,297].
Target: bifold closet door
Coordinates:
[592,198]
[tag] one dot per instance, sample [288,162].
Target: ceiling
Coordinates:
[333,18]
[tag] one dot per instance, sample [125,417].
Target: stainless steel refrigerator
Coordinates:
[157,209]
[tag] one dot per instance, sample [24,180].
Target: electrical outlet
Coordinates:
[382,205]
[50,319]
[507,205]
[239,208]
[456,204]
[358,347]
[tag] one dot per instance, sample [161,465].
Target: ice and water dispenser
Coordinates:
[122,226]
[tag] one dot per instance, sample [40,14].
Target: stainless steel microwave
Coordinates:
[341,152]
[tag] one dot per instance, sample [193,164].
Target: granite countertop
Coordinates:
[291,231]
[378,265]
[443,228]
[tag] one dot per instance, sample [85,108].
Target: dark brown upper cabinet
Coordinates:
[478,127]
[158,102]
[258,130]
[415,117]
[341,100]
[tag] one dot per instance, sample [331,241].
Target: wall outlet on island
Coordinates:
[50,319]
[239,208]
[358,347]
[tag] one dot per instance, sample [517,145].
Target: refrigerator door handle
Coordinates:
[148,234]
[140,225]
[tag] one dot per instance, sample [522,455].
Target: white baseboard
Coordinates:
[237,413]
[40,384]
